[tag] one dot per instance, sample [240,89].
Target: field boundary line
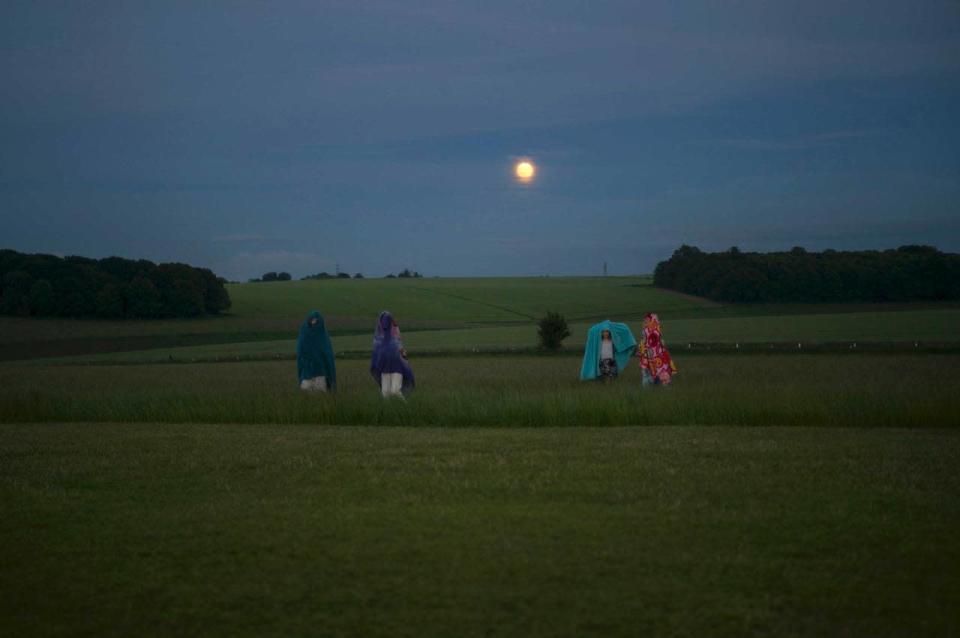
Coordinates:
[480,303]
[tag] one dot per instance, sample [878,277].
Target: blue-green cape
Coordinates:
[624,345]
[314,351]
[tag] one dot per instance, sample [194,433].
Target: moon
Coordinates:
[525,171]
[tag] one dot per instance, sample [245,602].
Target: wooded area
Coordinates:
[50,286]
[908,273]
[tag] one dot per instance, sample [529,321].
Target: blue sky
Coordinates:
[256,136]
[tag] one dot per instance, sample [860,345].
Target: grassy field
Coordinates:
[473,301]
[149,530]
[802,494]
[864,390]
[840,330]
[462,315]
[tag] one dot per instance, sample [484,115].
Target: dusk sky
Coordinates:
[249,137]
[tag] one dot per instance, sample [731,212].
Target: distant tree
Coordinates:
[16,293]
[43,302]
[216,299]
[343,275]
[909,273]
[391,276]
[143,299]
[283,276]
[359,275]
[181,291]
[552,331]
[269,276]
[915,249]
[110,302]
[405,273]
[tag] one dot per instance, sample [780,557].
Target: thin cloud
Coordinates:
[834,138]
[240,237]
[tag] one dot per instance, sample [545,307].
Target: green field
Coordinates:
[153,530]
[168,477]
[863,390]
[465,316]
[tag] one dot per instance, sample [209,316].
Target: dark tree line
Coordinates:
[326,275]
[273,276]
[909,273]
[406,273]
[49,286]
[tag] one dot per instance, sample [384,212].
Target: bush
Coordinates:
[552,331]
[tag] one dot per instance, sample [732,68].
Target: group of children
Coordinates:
[389,367]
[610,345]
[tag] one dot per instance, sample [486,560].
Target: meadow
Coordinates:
[466,316]
[862,390]
[277,530]
[168,477]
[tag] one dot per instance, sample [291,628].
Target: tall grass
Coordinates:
[820,390]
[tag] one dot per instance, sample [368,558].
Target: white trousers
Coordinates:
[390,384]
[318,384]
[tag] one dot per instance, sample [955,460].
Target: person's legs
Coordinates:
[391,384]
[385,384]
[608,369]
[396,384]
[318,384]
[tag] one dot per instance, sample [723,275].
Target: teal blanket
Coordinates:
[624,345]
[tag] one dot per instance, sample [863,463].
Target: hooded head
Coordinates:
[651,329]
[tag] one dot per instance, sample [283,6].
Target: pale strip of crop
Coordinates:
[895,326]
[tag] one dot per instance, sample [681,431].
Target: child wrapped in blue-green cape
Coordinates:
[624,345]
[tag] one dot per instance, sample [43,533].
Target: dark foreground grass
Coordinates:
[220,530]
[729,389]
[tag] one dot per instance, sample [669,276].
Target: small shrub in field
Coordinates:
[553,330]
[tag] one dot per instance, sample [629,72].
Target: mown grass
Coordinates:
[273,530]
[732,389]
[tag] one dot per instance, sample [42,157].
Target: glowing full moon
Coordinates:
[525,171]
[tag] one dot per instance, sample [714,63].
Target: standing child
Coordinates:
[609,348]
[315,365]
[388,363]
[608,365]
[656,365]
